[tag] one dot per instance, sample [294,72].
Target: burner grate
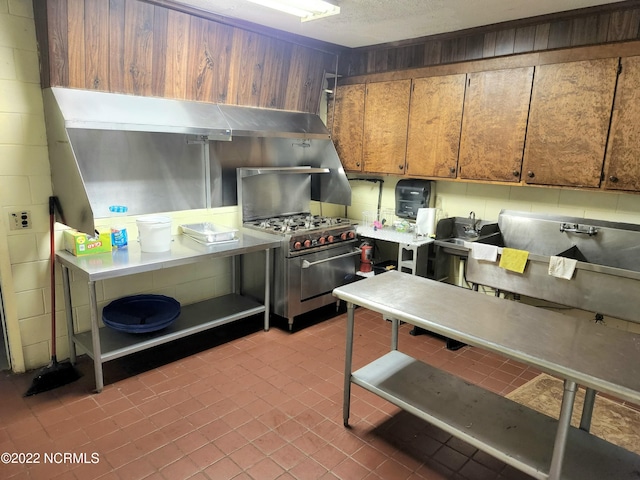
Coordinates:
[298,223]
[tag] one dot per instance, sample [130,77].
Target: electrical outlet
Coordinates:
[20,220]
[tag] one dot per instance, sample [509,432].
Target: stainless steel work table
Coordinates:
[595,356]
[103,344]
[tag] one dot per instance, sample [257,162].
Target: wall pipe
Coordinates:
[374,180]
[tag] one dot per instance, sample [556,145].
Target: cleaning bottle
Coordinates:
[119,239]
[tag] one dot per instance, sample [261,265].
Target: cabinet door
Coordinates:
[622,165]
[568,123]
[435,119]
[494,124]
[348,124]
[386,117]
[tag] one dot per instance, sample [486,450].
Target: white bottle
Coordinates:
[119,237]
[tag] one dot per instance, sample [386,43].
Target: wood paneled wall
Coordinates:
[135,47]
[597,25]
[145,48]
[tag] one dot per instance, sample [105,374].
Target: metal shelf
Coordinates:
[515,434]
[193,318]
[103,343]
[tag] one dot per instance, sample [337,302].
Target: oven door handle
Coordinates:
[307,263]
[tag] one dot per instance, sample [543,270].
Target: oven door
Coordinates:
[322,271]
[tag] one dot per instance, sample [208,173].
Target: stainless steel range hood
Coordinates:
[161,155]
[85,109]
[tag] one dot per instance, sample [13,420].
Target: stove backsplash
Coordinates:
[273,194]
[254,152]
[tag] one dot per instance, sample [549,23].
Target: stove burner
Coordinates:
[298,223]
[304,231]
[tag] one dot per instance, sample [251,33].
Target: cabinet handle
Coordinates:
[357,164]
[452,169]
[400,167]
[516,173]
[530,174]
[613,179]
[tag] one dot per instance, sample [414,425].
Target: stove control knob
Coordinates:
[351,235]
[330,239]
[307,243]
[322,240]
[343,236]
[297,246]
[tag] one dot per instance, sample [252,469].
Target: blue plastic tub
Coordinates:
[141,313]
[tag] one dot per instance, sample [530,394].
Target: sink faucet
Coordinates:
[473,228]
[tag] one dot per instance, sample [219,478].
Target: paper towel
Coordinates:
[426,221]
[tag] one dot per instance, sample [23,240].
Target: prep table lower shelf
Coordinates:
[515,434]
[193,318]
[103,343]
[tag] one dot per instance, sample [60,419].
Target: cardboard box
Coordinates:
[82,244]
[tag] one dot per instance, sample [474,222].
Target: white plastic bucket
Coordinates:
[154,233]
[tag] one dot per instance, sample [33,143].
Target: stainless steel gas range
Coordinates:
[318,253]
[306,233]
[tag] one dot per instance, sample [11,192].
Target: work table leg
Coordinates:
[348,363]
[564,423]
[394,333]
[95,337]
[587,409]
[267,287]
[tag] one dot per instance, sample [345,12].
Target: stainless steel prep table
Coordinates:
[595,356]
[104,344]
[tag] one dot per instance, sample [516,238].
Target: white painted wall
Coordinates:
[459,199]
[25,184]
[24,176]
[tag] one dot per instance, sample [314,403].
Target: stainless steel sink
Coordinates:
[452,234]
[453,241]
[607,275]
[453,246]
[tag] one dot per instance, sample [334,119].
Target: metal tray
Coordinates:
[208,233]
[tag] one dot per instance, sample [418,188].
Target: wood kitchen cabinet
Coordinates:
[622,161]
[496,107]
[435,120]
[386,118]
[568,123]
[348,124]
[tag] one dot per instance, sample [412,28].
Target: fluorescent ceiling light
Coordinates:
[305,9]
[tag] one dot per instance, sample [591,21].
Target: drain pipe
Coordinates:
[374,180]
[380,182]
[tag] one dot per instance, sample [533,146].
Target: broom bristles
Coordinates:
[53,376]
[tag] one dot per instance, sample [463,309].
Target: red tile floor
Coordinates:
[238,402]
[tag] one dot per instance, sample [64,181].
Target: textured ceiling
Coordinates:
[371,22]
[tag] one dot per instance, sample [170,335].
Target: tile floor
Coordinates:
[241,403]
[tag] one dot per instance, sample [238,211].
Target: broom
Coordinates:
[55,374]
